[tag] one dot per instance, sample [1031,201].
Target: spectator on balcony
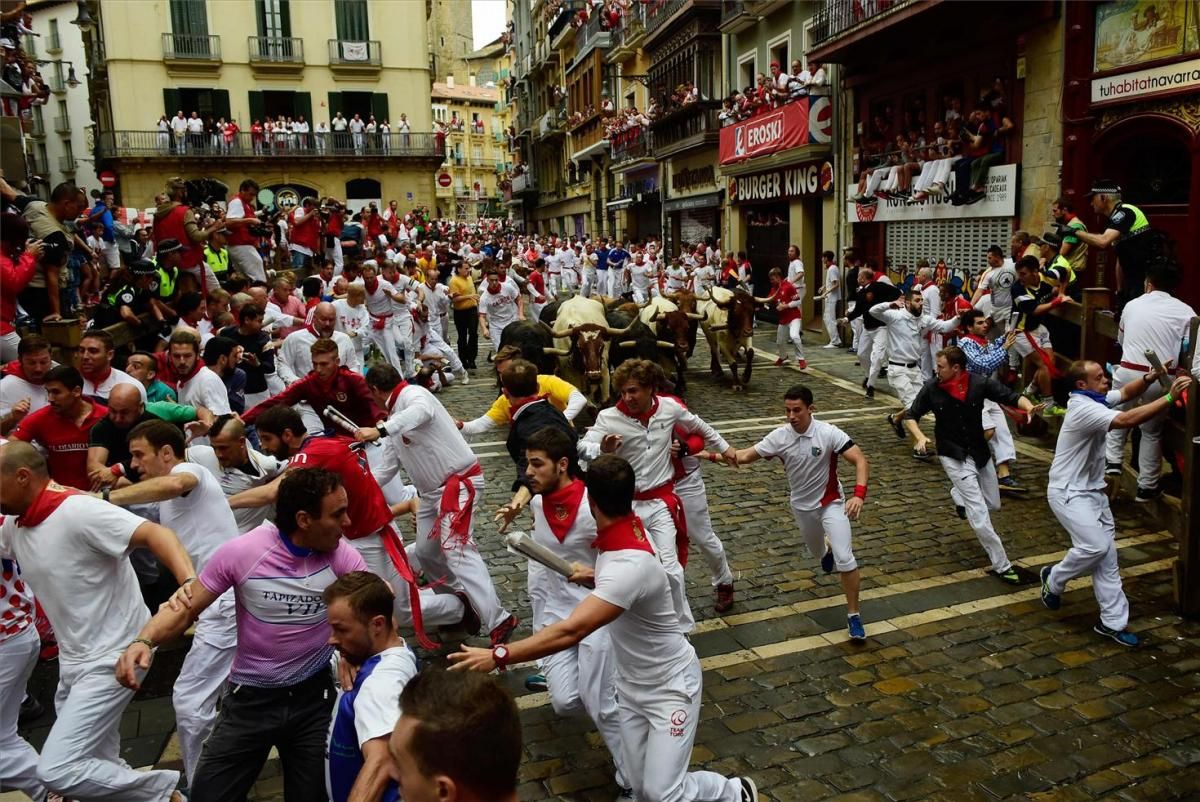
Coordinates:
[179,129]
[302,132]
[357,127]
[984,147]
[257,132]
[818,84]
[164,134]
[405,130]
[369,134]
[230,138]
[341,140]
[780,92]
[195,133]
[940,155]
[216,132]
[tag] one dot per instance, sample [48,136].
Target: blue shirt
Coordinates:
[602,259]
[617,257]
[103,215]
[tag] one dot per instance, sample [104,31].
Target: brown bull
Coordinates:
[729,328]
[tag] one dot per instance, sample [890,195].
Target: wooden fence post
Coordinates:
[1187,566]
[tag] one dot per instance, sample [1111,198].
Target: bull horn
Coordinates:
[555,351]
[717,328]
[618,332]
[665,344]
[723,304]
[654,314]
[695,316]
[627,344]
[547,327]
[761,301]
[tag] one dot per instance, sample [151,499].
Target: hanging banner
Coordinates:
[804,121]
[354,51]
[1000,201]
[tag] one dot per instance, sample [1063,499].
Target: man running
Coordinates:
[658,673]
[237,467]
[809,450]
[1076,489]
[906,324]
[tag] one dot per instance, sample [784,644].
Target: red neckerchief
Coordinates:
[312,329]
[14,369]
[495,291]
[395,394]
[195,369]
[329,384]
[957,387]
[45,504]
[99,381]
[625,533]
[371,285]
[975,338]
[522,402]
[644,418]
[561,508]
[878,276]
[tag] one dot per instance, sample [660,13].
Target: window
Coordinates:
[779,50]
[43,159]
[30,45]
[476,155]
[351,17]
[747,69]
[189,18]
[440,113]
[58,84]
[63,114]
[806,42]
[206,102]
[68,154]
[274,18]
[53,42]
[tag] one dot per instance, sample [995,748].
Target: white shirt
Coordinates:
[933,300]
[237,210]
[104,388]
[339,123]
[205,389]
[500,307]
[676,278]
[235,480]
[648,448]
[14,388]
[833,283]
[647,642]
[195,125]
[357,126]
[425,439]
[641,275]
[810,460]
[352,320]
[201,519]
[1079,452]
[378,303]
[551,595]
[1155,321]
[294,360]
[76,562]
[703,278]
[179,124]
[795,274]
[904,331]
[998,283]
[377,705]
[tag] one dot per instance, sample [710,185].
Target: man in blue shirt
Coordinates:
[602,252]
[617,257]
[101,213]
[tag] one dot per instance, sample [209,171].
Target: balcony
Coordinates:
[275,55]
[355,58]
[631,147]
[200,49]
[672,11]
[524,184]
[552,124]
[589,37]
[559,26]
[38,166]
[247,147]
[735,18]
[66,164]
[62,125]
[629,34]
[35,127]
[691,126]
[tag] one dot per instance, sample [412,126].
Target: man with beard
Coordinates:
[22,390]
[62,428]
[294,361]
[197,385]
[906,324]
[359,608]
[95,365]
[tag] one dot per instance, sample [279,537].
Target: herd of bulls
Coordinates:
[581,339]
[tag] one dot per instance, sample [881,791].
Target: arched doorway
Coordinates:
[363,191]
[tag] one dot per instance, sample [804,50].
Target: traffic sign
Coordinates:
[444,180]
[107,178]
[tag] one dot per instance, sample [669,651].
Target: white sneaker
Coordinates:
[464,378]
[832,345]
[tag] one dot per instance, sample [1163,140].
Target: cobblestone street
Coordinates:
[965,689]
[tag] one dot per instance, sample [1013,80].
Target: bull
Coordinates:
[535,343]
[581,336]
[673,329]
[728,323]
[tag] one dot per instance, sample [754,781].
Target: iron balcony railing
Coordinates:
[156,144]
[635,143]
[276,49]
[191,47]
[592,33]
[660,11]
[633,24]
[62,125]
[837,17]
[356,53]
[731,9]
[36,127]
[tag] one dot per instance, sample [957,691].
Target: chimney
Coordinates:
[450,81]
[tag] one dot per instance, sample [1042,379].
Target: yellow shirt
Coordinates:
[464,287]
[556,390]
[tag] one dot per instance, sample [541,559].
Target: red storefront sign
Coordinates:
[804,121]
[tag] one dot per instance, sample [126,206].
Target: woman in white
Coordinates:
[385,136]
[164,134]
[352,316]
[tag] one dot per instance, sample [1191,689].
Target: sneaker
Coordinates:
[536,683]
[896,425]
[1112,469]
[827,561]
[625,793]
[724,598]
[855,626]
[1147,494]
[870,392]
[779,362]
[802,364]
[470,623]
[961,510]
[832,345]
[1053,411]
[853,350]
[1008,576]
[31,709]
[749,790]
[1010,485]
[504,630]
[1123,637]
[1052,600]
[464,377]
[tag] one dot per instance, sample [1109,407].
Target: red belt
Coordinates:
[448,508]
[666,494]
[1135,366]
[395,549]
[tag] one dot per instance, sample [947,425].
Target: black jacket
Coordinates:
[532,417]
[959,425]
[874,293]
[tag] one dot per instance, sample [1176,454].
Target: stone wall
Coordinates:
[1041,125]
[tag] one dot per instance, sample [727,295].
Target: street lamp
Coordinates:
[72,81]
[84,16]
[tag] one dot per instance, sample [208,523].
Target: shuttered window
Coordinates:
[351,17]
[962,243]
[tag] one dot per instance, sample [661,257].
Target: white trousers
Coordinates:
[334,253]
[1089,521]
[387,340]
[81,758]
[976,489]
[435,344]
[209,279]
[658,728]
[247,260]
[828,522]
[1001,443]
[694,495]
[553,284]
[460,564]
[582,679]
[8,346]
[829,318]
[589,281]
[1150,449]
[18,760]
[643,294]
[905,381]
[790,333]
[856,328]
[570,281]
[872,349]
[202,677]
[437,609]
[661,528]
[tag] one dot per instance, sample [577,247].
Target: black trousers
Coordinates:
[295,720]
[466,322]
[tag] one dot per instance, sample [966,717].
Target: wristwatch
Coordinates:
[500,656]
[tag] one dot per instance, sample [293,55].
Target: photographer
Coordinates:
[48,222]
[333,215]
[18,265]
[305,233]
[175,220]
[243,225]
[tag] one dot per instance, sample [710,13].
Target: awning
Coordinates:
[619,204]
[594,149]
[705,201]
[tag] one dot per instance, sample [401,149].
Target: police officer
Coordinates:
[1055,264]
[1127,232]
[167,258]
[216,255]
[128,298]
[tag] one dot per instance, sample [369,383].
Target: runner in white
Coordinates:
[643,277]
[659,682]
[1076,489]
[192,504]
[380,302]
[237,467]
[19,646]
[639,429]
[448,480]
[73,553]
[499,304]
[809,450]
[831,293]
[294,360]
[906,324]
[198,386]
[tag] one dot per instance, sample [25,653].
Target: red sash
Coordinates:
[561,508]
[449,509]
[395,549]
[666,494]
[1046,358]
[626,533]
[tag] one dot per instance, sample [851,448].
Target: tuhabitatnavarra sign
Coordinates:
[1000,201]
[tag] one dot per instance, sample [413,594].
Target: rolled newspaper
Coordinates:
[1164,376]
[523,543]
[344,423]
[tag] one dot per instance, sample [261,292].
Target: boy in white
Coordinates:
[192,504]
[906,322]
[809,450]
[353,320]
[658,674]
[639,429]
[500,303]
[643,277]
[73,551]
[197,385]
[677,277]
[831,293]
[1076,489]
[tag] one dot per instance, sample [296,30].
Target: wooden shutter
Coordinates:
[335,105]
[220,103]
[302,104]
[172,101]
[189,17]
[258,108]
[379,106]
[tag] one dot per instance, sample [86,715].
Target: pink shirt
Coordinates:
[283,632]
[294,307]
